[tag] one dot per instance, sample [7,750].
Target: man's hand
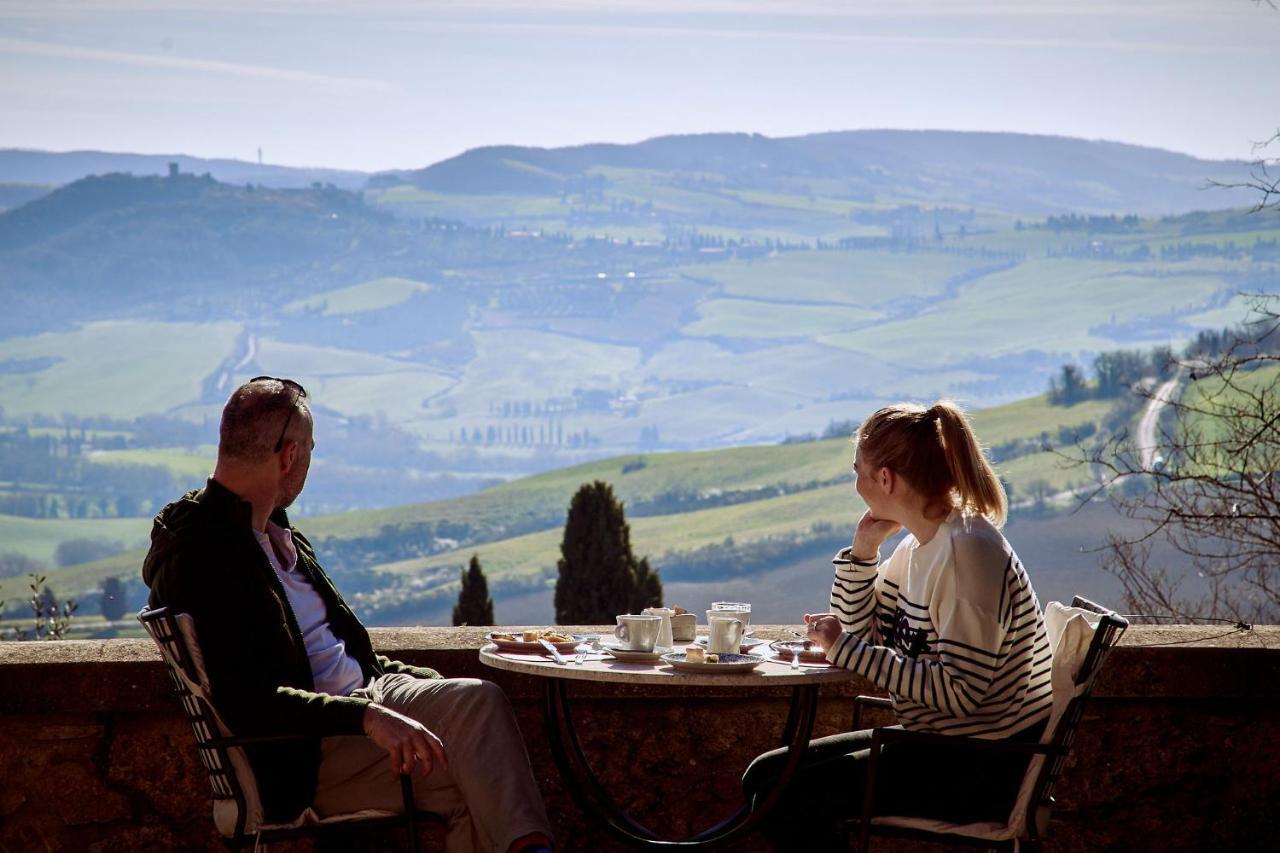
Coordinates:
[870,535]
[411,746]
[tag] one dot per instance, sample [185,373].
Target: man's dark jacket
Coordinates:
[205,561]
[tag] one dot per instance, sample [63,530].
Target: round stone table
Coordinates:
[581,780]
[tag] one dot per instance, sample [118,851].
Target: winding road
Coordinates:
[1146,438]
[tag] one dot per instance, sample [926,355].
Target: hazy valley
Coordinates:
[617,308]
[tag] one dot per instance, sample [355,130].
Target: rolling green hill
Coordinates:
[1013,172]
[765,499]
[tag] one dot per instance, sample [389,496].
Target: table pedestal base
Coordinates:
[587,790]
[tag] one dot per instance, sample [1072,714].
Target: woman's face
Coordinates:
[867,484]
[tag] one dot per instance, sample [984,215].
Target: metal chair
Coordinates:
[1081,637]
[237,809]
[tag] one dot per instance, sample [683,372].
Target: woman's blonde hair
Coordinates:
[936,452]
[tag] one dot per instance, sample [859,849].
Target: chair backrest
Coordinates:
[237,808]
[1081,636]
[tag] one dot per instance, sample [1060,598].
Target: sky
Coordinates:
[386,84]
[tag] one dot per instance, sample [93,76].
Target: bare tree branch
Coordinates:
[1261,180]
[1210,487]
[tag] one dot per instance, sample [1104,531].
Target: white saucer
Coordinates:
[632,655]
[747,644]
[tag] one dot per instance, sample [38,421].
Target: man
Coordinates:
[285,654]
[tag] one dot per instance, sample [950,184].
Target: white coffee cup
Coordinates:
[665,640]
[638,632]
[724,635]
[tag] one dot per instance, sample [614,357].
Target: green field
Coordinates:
[1213,395]
[750,318]
[807,203]
[534,554]
[740,468]
[1029,418]
[511,208]
[90,435]
[38,538]
[360,298]
[1047,468]
[1044,305]
[197,462]
[866,279]
[81,581]
[797,210]
[118,368]
[353,382]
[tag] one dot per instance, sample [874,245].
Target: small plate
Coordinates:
[809,653]
[633,656]
[727,663]
[748,643]
[522,646]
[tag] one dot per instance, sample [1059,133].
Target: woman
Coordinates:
[948,625]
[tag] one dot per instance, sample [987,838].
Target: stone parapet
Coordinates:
[1180,748]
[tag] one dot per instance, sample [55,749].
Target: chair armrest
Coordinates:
[880,737]
[227,742]
[873,701]
[1085,604]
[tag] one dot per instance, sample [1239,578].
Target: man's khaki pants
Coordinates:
[488,793]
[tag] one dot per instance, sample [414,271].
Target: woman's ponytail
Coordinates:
[974,480]
[936,451]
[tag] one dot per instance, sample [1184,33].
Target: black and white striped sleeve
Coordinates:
[853,596]
[955,681]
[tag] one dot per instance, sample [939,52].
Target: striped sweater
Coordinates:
[952,629]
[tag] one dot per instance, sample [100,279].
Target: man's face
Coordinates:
[296,477]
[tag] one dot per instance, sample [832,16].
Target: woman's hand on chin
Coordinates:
[870,535]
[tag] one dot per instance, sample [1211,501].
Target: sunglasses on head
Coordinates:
[298,393]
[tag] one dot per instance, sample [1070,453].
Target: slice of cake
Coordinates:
[695,654]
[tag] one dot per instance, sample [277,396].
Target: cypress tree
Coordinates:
[648,587]
[474,606]
[599,575]
[113,604]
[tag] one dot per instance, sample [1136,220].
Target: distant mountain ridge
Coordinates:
[62,167]
[1008,171]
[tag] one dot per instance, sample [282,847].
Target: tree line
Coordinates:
[1115,373]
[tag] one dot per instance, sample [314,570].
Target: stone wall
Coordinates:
[1179,750]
